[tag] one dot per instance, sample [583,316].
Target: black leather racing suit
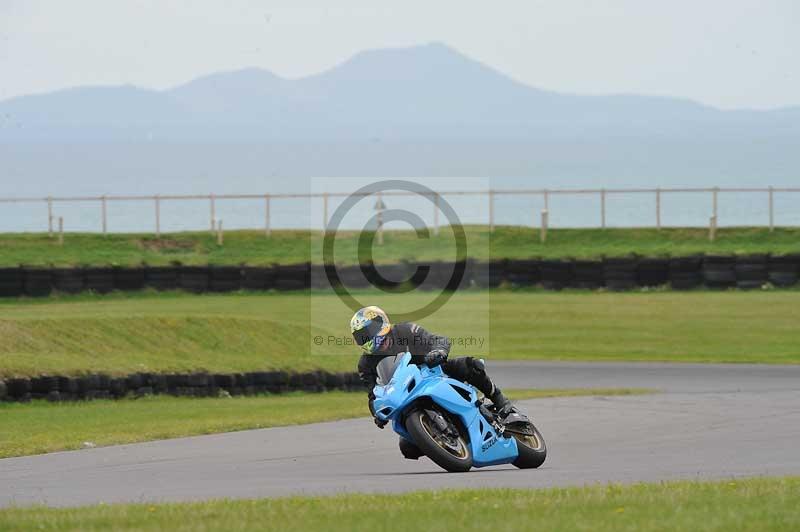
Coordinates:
[419,342]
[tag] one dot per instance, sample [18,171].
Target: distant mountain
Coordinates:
[415,94]
[419,111]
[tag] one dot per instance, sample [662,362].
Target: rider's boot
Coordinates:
[409,450]
[498,399]
[502,405]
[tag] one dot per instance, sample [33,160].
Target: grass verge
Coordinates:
[742,504]
[41,427]
[291,247]
[122,334]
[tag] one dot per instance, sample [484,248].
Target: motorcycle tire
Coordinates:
[532,449]
[417,424]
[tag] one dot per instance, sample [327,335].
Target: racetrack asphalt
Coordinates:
[708,421]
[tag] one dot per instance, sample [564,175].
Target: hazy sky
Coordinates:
[727,53]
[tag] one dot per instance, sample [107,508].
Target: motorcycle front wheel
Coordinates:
[448,451]
[531,447]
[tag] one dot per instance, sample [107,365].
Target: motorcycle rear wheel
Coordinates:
[456,458]
[531,447]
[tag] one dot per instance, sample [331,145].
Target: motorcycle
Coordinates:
[448,423]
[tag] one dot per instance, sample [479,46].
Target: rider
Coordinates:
[379,338]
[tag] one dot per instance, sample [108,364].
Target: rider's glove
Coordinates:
[378,422]
[437,357]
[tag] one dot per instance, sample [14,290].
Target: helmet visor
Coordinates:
[370,331]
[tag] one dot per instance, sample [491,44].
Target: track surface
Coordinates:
[710,422]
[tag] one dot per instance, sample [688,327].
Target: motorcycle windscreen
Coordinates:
[386,368]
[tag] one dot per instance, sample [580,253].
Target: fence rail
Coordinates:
[491,194]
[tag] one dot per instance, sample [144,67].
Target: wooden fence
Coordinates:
[765,194]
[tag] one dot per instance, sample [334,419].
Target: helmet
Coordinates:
[369,326]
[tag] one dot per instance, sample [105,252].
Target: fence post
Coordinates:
[379,219]
[658,209]
[220,236]
[267,229]
[49,216]
[714,196]
[771,209]
[603,208]
[60,230]
[105,218]
[212,205]
[491,211]
[546,200]
[543,227]
[158,216]
[325,212]
[436,214]
[712,228]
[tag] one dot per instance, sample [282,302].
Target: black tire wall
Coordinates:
[619,273]
[198,384]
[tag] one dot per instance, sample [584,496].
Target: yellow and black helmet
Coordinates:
[369,326]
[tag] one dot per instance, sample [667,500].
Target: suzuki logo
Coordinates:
[489,443]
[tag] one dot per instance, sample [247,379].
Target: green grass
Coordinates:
[286,246]
[743,504]
[121,334]
[42,427]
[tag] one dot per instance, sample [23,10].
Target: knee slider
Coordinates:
[409,450]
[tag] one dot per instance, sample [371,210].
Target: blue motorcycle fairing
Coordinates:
[411,382]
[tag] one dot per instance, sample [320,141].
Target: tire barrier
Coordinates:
[12,282]
[653,272]
[193,279]
[719,271]
[353,277]
[751,271]
[100,280]
[556,274]
[292,277]
[129,279]
[161,278]
[68,281]
[523,272]
[257,279]
[199,384]
[685,273]
[587,274]
[225,279]
[38,282]
[783,271]
[436,278]
[620,273]
[488,274]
